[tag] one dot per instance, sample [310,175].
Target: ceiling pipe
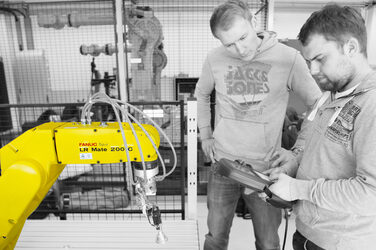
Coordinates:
[310,4]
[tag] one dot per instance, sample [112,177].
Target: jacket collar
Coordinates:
[368,83]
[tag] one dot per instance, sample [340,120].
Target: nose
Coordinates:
[239,48]
[314,68]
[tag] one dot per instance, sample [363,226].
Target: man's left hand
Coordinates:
[282,187]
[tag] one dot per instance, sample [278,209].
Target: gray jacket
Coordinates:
[340,212]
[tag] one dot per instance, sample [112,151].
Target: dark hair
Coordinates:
[336,24]
[224,15]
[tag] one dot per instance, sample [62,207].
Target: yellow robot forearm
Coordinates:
[23,186]
[29,168]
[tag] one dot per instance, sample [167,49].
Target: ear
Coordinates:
[253,22]
[351,47]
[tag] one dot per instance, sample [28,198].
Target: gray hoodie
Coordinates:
[339,208]
[251,99]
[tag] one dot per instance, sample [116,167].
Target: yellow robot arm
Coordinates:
[30,164]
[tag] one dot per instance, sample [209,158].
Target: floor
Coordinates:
[238,241]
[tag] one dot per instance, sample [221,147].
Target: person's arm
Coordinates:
[204,88]
[355,195]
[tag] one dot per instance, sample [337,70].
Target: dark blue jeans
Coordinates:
[299,242]
[222,198]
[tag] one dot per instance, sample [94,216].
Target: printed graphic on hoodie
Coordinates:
[248,84]
[342,128]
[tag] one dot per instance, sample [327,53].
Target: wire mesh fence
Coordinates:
[61,51]
[54,54]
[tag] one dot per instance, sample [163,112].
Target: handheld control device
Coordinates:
[245,175]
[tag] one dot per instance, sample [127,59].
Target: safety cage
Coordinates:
[54,54]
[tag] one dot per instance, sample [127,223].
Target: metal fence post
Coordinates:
[192,158]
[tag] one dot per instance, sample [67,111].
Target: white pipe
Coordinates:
[309,4]
[371,39]
[121,57]
[270,17]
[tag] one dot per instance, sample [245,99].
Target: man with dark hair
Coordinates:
[252,74]
[334,29]
[335,184]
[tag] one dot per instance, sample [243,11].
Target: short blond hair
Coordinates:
[224,15]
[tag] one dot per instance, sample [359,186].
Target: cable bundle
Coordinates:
[122,107]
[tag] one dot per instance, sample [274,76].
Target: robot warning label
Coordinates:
[86,156]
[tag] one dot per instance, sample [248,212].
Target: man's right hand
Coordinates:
[283,161]
[281,157]
[208,148]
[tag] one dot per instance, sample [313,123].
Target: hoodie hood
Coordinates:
[268,40]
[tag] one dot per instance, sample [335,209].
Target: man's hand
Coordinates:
[291,189]
[282,187]
[273,173]
[208,148]
[282,161]
[281,157]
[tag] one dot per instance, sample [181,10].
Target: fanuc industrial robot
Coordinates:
[32,162]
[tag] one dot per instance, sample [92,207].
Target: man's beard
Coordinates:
[334,85]
[329,86]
